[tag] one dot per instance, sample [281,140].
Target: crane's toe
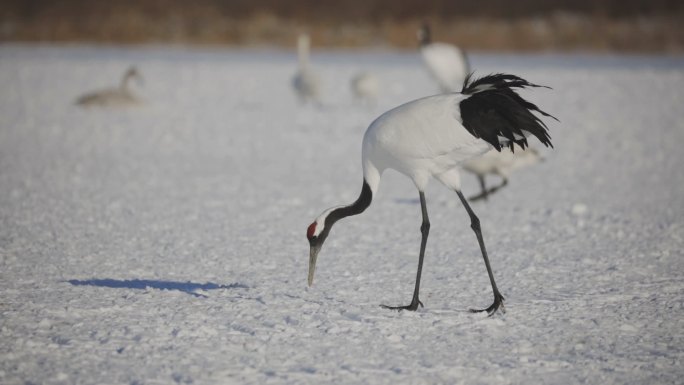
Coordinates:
[497,305]
[412,307]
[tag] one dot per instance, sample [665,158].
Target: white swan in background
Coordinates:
[365,86]
[114,97]
[305,82]
[447,64]
[500,164]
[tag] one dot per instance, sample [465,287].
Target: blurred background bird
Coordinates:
[499,163]
[447,63]
[121,96]
[305,82]
[366,87]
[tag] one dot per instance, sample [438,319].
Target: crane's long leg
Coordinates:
[424,230]
[475,225]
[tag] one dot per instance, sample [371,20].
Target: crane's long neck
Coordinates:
[361,204]
[371,180]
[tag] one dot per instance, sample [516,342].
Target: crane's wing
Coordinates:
[494,112]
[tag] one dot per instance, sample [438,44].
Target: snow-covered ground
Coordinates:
[166,243]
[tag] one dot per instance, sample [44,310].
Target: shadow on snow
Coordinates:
[142,284]
[407,201]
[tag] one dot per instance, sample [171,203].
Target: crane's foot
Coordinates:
[412,307]
[498,304]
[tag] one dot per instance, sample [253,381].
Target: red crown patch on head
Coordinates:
[310,231]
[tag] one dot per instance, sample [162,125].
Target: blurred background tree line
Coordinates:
[503,25]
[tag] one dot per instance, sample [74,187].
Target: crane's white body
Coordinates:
[365,86]
[113,97]
[305,81]
[421,139]
[447,65]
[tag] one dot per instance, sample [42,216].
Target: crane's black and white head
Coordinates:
[318,231]
[316,234]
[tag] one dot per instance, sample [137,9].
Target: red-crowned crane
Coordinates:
[431,137]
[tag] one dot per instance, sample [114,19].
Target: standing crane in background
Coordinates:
[305,81]
[447,63]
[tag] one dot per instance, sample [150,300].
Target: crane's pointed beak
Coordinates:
[313,255]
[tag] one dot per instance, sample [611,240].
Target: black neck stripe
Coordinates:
[361,204]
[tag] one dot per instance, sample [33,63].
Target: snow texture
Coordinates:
[166,243]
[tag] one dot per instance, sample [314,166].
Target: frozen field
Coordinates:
[166,244]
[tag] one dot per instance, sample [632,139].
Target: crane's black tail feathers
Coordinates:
[494,112]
